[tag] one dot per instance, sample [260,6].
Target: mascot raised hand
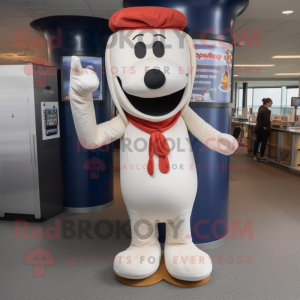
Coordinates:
[150,67]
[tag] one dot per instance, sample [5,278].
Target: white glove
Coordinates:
[226,144]
[83,82]
[91,136]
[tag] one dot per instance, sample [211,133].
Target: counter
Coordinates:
[283,146]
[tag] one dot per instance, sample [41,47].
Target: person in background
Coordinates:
[206,96]
[262,129]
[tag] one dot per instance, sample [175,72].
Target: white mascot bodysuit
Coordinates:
[150,67]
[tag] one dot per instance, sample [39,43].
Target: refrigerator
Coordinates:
[30,163]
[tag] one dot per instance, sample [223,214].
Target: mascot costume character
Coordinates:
[150,68]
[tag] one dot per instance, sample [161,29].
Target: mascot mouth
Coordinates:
[155,107]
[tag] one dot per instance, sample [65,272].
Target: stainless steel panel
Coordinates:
[15,142]
[279,139]
[33,152]
[48,154]
[32,128]
[294,150]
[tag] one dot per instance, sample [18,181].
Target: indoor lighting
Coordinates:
[286,56]
[287,12]
[235,75]
[288,74]
[254,65]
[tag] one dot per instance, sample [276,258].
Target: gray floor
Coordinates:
[263,193]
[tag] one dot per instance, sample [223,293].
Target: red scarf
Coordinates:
[157,141]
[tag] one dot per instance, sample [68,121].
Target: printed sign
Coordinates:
[50,120]
[213,74]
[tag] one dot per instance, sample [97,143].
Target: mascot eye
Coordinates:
[36,68]
[45,68]
[158,49]
[140,50]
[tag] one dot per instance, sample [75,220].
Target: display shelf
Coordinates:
[270,151]
[282,163]
[278,146]
[251,138]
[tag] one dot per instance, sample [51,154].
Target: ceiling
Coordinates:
[270,83]
[280,34]
[19,13]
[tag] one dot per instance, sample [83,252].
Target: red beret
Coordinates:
[146,17]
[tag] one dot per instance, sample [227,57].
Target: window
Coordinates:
[260,93]
[249,97]
[281,97]
[240,98]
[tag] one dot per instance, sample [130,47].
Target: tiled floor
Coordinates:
[265,267]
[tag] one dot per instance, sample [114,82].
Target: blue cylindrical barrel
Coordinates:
[209,19]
